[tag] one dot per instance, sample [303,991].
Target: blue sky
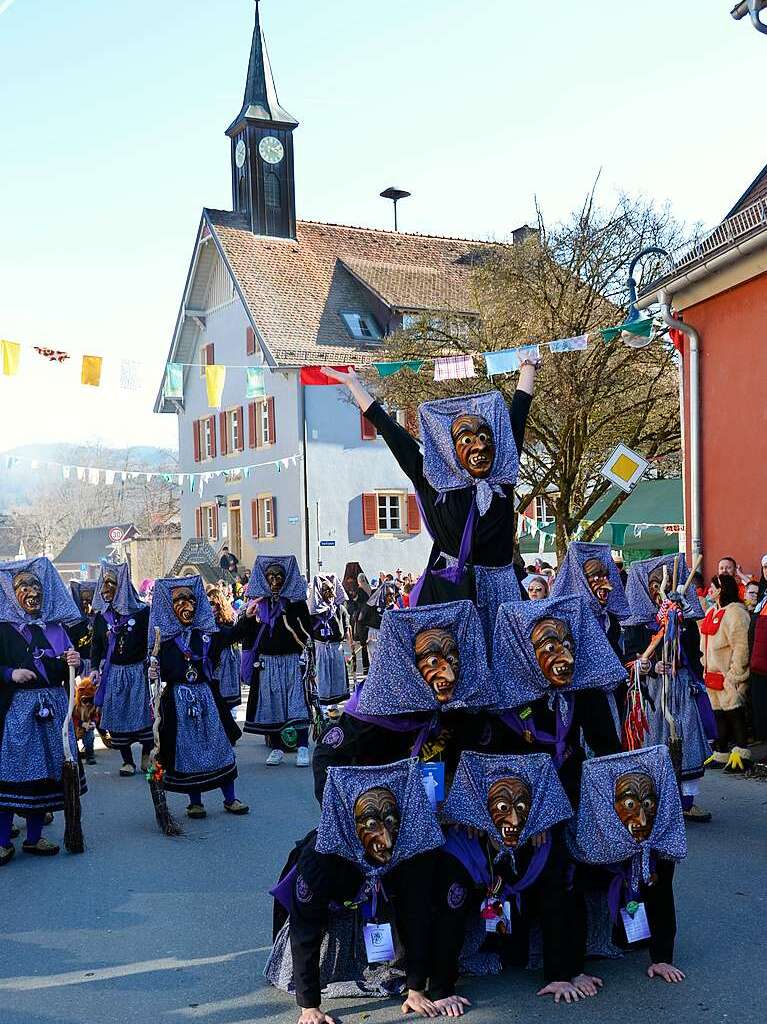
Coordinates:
[113,117]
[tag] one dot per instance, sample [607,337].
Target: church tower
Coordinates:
[263,184]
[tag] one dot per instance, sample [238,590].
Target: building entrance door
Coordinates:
[235,527]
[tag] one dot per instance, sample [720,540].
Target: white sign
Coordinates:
[115,534]
[624,468]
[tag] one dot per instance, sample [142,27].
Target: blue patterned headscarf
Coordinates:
[295,585]
[77,587]
[126,600]
[514,662]
[476,773]
[58,604]
[598,836]
[317,603]
[162,613]
[570,578]
[394,685]
[418,830]
[440,463]
[643,608]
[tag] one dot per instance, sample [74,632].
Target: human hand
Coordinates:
[587,984]
[95,676]
[314,1015]
[251,609]
[561,990]
[539,840]
[341,376]
[417,1002]
[23,675]
[451,1006]
[72,658]
[663,668]
[666,971]
[645,666]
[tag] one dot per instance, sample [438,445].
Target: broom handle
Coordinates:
[156,694]
[68,755]
[696,566]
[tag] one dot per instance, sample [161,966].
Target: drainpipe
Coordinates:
[693,400]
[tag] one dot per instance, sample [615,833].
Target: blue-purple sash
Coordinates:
[558,740]
[366,900]
[470,853]
[453,573]
[190,656]
[58,640]
[626,879]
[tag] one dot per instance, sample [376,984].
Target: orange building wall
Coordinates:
[733,391]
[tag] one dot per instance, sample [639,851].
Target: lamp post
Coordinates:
[751,8]
[395,194]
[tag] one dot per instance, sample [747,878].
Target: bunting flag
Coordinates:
[254,387]
[510,359]
[11,357]
[131,375]
[53,355]
[577,344]
[454,368]
[91,371]
[638,328]
[215,377]
[314,376]
[174,380]
[389,369]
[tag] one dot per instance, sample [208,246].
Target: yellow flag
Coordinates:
[214,382]
[11,356]
[91,372]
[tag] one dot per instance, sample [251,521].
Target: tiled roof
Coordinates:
[90,545]
[296,289]
[756,190]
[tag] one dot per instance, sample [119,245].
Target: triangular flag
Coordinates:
[123,476]
[91,371]
[11,357]
[180,479]
[215,376]
[639,328]
[131,374]
[93,476]
[174,380]
[65,471]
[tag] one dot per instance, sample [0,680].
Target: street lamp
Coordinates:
[632,340]
[752,9]
[221,500]
[395,194]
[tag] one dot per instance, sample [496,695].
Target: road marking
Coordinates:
[170,963]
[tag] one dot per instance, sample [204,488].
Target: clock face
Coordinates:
[240,153]
[271,149]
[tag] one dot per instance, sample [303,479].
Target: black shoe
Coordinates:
[91,760]
[698,816]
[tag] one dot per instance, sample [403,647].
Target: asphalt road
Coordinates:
[144,928]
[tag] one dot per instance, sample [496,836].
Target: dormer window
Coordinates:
[361,326]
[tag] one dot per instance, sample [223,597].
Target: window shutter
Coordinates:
[254,525]
[413,515]
[252,439]
[198,523]
[214,520]
[196,439]
[273,503]
[212,421]
[369,514]
[209,354]
[238,415]
[369,432]
[270,415]
[224,433]
[250,342]
[411,420]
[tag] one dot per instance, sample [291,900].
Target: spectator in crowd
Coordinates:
[536,585]
[751,595]
[763,578]
[621,569]
[228,562]
[729,567]
[758,664]
[724,646]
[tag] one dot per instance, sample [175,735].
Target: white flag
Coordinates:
[131,375]
[109,477]
[80,472]
[65,471]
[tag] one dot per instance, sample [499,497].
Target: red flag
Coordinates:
[314,375]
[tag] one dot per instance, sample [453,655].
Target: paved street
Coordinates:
[144,928]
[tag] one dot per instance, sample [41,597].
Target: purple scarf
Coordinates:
[470,853]
[558,740]
[58,644]
[396,723]
[453,573]
[626,879]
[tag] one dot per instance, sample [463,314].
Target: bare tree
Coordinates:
[561,282]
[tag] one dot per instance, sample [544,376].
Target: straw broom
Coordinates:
[74,841]
[155,772]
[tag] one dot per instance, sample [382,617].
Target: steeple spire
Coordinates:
[260,102]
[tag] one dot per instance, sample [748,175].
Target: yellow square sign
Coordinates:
[624,468]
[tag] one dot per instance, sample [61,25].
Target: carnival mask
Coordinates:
[654,584]
[327,593]
[109,587]
[508,801]
[438,661]
[555,650]
[474,444]
[390,597]
[275,577]
[598,579]
[184,605]
[377,821]
[29,592]
[86,600]
[636,803]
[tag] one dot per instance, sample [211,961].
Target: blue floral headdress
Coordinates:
[162,613]
[294,588]
[58,604]
[126,600]
[643,608]
[570,578]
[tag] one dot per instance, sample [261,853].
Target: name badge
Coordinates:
[497,916]
[433,778]
[635,922]
[379,944]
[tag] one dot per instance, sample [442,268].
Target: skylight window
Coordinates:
[361,326]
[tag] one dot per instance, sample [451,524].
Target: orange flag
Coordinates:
[91,372]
